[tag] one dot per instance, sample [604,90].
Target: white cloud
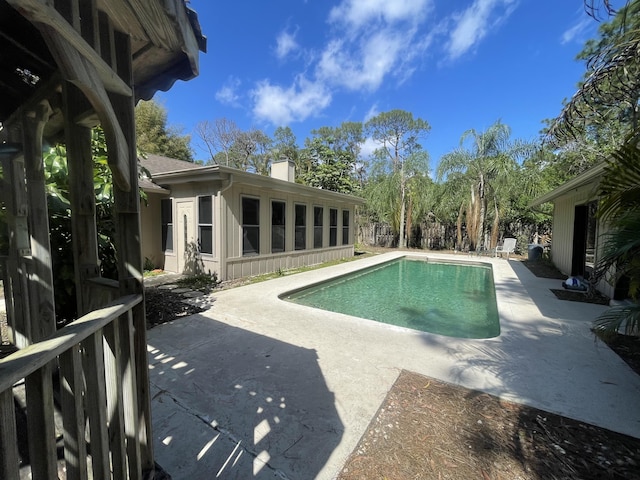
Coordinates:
[368,147]
[370,41]
[472,25]
[286,44]
[358,13]
[372,112]
[577,30]
[363,66]
[281,106]
[227,94]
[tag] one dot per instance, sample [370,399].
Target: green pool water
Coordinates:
[456,300]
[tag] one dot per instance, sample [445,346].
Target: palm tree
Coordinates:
[620,209]
[486,167]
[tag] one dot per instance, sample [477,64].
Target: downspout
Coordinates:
[222,230]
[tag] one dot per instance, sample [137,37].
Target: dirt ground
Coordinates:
[427,429]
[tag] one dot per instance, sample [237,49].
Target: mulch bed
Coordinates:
[428,429]
[572,296]
[163,306]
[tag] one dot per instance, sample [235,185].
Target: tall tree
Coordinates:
[285,145]
[218,137]
[329,168]
[399,155]
[156,137]
[487,160]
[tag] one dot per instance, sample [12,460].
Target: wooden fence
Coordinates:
[96,358]
[427,235]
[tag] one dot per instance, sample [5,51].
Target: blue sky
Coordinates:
[456,64]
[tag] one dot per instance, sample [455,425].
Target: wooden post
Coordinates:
[9,458]
[18,314]
[41,299]
[81,195]
[129,248]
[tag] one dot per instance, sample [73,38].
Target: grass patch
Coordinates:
[203,282]
[152,273]
[292,271]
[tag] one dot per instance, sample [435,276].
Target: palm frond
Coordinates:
[620,185]
[620,318]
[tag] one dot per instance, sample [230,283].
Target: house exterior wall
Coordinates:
[227,259]
[563,224]
[237,265]
[151,231]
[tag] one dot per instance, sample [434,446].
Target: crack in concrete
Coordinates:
[227,434]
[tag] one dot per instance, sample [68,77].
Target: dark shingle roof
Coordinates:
[159,164]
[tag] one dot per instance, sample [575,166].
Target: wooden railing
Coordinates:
[97,401]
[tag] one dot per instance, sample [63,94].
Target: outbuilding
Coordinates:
[236,224]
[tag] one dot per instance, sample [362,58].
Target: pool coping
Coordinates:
[545,357]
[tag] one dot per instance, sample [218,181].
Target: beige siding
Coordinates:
[238,265]
[227,259]
[563,218]
[258,265]
[151,230]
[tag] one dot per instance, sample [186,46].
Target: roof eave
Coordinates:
[579,181]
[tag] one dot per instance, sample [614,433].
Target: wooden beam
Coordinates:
[40,269]
[82,74]
[17,208]
[73,416]
[27,360]
[127,205]
[40,424]
[81,196]
[41,11]
[96,398]
[9,457]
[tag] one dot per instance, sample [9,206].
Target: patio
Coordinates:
[259,388]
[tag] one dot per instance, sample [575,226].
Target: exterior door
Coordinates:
[186,243]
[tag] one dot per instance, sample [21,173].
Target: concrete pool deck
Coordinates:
[257,387]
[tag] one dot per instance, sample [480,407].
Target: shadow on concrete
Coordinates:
[232,404]
[547,357]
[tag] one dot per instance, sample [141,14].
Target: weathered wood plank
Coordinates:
[130,257]
[9,457]
[17,208]
[81,196]
[107,44]
[73,418]
[40,424]
[27,360]
[39,12]
[130,396]
[81,73]
[115,407]
[96,398]
[43,321]
[89,23]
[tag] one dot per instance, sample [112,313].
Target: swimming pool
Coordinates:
[452,299]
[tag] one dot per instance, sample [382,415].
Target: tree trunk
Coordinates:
[495,229]
[482,212]
[402,242]
[459,227]
[409,219]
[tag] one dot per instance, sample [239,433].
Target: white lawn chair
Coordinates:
[508,246]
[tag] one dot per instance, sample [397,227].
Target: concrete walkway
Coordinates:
[257,387]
